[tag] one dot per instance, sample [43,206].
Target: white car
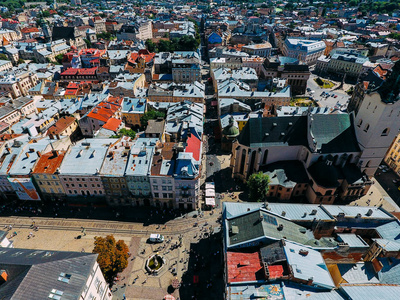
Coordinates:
[156,238]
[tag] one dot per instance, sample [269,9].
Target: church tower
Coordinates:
[377,121]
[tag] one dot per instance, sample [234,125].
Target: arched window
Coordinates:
[243,161]
[252,162]
[385,132]
[265,157]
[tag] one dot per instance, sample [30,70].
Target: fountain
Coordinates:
[154,264]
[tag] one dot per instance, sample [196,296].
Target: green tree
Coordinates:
[59,58]
[113,256]
[20,61]
[258,184]
[151,46]
[125,132]
[88,43]
[3,57]
[105,36]
[150,115]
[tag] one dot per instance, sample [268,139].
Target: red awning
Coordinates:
[195,278]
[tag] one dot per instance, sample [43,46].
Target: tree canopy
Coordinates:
[185,43]
[113,256]
[258,184]
[150,115]
[125,132]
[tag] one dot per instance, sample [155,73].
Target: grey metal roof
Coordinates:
[390,231]
[307,263]
[353,240]
[300,212]
[259,224]
[362,272]
[33,274]
[390,272]
[296,291]
[370,291]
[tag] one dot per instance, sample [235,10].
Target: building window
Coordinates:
[156,195]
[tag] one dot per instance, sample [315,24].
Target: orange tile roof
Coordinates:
[112,124]
[105,110]
[49,162]
[7,136]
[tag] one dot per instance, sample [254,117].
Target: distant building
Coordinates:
[306,51]
[18,83]
[262,50]
[140,30]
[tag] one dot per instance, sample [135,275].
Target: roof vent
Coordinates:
[304,215]
[274,124]
[303,252]
[302,230]
[290,123]
[282,133]
[358,215]
[369,212]
[313,212]
[280,227]
[283,213]
[266,134]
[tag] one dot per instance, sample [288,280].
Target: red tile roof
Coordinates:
[29,29]
[73,85]
[275,271]
[81,71]
[146,55]
[244,267]
[112,124]
[193,146]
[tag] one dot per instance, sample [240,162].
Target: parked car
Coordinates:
[156,238]
[335,96]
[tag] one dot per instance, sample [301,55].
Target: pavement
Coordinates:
[386,181]
[330,101]
[68,235]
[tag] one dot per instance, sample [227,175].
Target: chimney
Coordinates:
[55,153]
[27,154]
[310,281]
[38,153]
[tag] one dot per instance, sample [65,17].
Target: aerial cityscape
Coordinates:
[199,150]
